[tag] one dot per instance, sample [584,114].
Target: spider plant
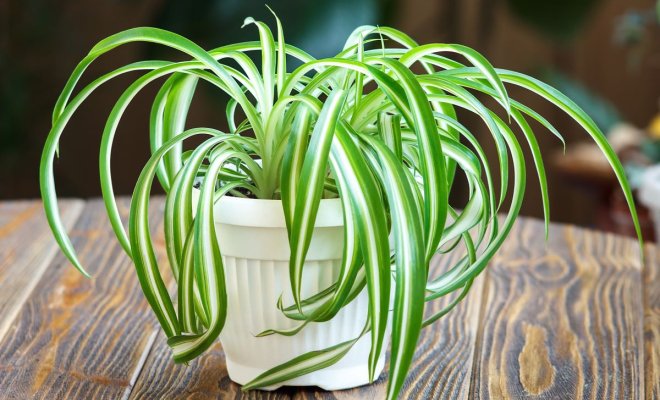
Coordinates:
[376,125]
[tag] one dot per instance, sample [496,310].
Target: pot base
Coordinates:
[327,379]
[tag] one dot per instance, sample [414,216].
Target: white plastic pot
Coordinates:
[255,248]
[649,195]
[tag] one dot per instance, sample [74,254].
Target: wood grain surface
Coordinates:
[577,317]
[562,320]
[79,338]
[26,248]
[651,278]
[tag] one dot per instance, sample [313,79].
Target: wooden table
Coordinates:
[578,317]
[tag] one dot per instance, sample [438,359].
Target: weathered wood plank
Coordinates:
[78,338]
[652,323]
[26,249]
[442,366]
[562,320]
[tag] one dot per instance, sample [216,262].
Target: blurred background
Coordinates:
[605,54]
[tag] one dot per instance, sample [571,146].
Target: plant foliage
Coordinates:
[375,125]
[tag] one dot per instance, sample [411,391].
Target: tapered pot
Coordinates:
[254,243]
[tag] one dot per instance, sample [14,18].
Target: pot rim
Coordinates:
[238,211]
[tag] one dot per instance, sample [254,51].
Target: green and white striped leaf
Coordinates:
[311,181]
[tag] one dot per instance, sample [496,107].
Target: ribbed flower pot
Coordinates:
[255,249]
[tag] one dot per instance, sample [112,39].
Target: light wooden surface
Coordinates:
[576,317]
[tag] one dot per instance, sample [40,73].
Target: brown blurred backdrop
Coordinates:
[605,53]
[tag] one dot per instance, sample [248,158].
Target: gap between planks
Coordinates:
[140,365]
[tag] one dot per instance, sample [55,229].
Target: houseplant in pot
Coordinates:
[303,234]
